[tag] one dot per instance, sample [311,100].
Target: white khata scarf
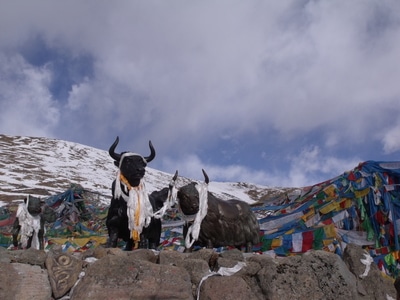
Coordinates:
[139,208]
[171,200]
[30,225]
[194,230]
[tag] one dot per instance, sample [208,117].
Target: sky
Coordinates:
[276,93]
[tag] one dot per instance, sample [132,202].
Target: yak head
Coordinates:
[131,165]
[34,205]
[188,196]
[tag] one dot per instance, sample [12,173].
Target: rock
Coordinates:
[30,256]
[204,254]
[250,269]
[172,258]
[24,282]
[262,260]
[226,262]
[197,269]
[373,283]
[323,273]
[4,255]
[143,254]
[329,272]
[8,280]
[63,271]
[147,274]
[99,252]
[226,287]
[248,273]
[124,277]
[115,251]
[233,254]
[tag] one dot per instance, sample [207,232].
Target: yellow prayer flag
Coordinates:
[276,243]
[330,190]
[362,193]
[330,231]
[308,215]
[333,205]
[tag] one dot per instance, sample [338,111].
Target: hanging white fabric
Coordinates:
[137,198]
[30,226]
[171,199]
[194,230]
[222,271]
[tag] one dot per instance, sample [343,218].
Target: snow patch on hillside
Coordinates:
[44,167]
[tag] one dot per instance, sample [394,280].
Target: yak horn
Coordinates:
[175,176]
[152,153]
[206,179]
[172,183]
[111,151]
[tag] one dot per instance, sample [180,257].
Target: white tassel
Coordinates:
[118,191]
[171,200]
[194,230]
[145,209]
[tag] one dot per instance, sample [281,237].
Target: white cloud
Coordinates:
[391,139]
[78,95]
[295,66]
[311,165]
[26,105]
[190,166]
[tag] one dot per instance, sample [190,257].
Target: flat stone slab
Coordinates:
[24,282]
[124,277]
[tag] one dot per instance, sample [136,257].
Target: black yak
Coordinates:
[213,222]
[133,215]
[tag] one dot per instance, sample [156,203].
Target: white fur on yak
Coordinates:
[213,222]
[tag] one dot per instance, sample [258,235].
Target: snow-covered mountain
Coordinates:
[45,167]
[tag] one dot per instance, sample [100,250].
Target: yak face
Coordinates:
[188,196]
[33,205]
[189,199]
[133,167]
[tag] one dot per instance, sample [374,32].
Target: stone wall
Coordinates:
[102,273]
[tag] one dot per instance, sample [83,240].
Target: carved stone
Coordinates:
[63,270]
